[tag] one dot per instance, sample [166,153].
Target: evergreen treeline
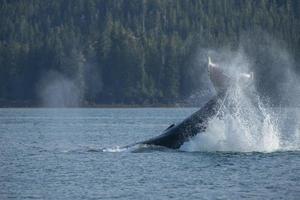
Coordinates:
[126,51]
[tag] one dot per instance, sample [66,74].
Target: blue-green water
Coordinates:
[57,154]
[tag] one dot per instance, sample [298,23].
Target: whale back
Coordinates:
[174,136]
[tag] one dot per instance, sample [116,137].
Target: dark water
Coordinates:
[56,154]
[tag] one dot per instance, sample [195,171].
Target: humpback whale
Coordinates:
[176,134]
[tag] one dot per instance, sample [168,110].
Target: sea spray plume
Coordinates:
[276,75]
[276,83]
[198,72]
[57,90]
[246,124]
[290,126]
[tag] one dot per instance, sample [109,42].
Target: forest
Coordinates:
[130,52]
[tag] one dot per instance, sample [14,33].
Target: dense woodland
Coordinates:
[127,51]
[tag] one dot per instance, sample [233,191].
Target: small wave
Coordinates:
[137,148]
[115,149]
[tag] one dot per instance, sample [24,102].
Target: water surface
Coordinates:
[57,154]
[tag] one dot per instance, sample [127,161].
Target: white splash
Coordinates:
[115,149]
[245,124]
[235,134]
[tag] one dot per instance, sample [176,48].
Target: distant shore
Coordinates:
[25,104]
[103,106]
[29,104]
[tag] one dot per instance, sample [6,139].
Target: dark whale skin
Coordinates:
[174,136]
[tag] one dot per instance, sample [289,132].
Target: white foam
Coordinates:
[118,149]
[245,125]
[115,149]
[229,134]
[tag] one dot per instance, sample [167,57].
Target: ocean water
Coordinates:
[77,154]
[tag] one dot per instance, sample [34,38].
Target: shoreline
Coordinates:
[86,105]
[118,106]
[31,105]
[104,106]
[35,104]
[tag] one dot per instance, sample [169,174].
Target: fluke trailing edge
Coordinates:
[175,135]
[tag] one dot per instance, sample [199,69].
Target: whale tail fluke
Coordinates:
[210,63]
[219,79]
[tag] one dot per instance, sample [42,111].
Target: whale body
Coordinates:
[175,135]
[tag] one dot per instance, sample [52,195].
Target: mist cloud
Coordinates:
[276,78]
[56,90]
